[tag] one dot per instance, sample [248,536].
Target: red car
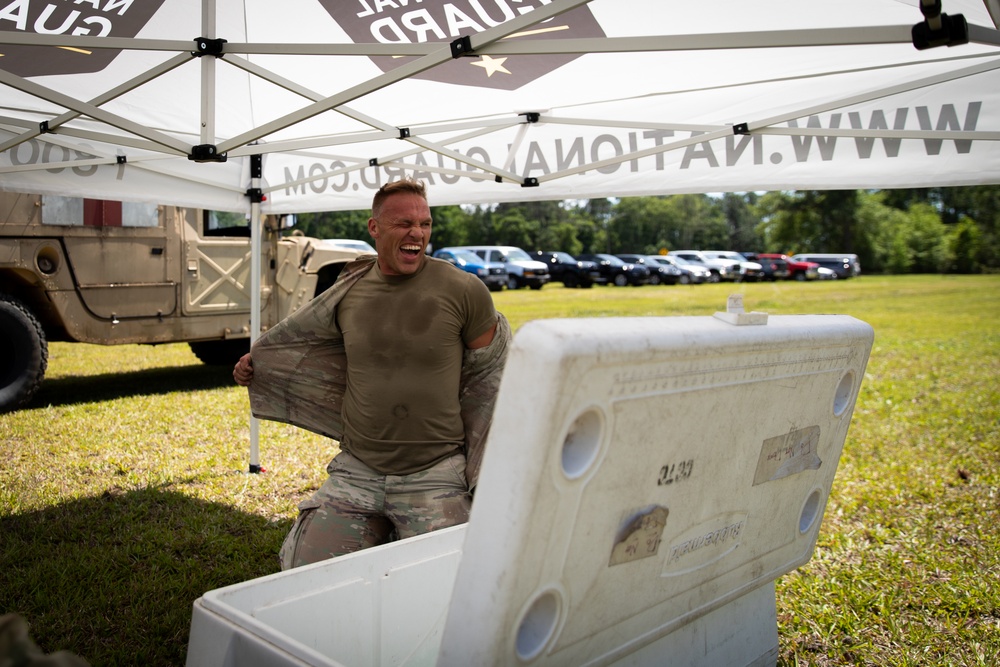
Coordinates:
[796,270]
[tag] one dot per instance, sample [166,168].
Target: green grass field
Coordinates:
[124,496]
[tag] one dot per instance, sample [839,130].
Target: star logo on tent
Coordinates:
[492,65]
[444,21]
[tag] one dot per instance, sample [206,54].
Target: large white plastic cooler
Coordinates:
[645,482]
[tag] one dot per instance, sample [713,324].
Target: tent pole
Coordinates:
[208,85]
[256,171]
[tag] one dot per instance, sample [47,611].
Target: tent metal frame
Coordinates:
[490,42]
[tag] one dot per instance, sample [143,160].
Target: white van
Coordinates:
[845,265]
[522,270]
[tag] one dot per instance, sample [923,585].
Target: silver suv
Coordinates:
[721,269]
[522,270]
[749,270]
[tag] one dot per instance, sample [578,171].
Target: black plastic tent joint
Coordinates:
[206,153]
[208,47]
[954,30]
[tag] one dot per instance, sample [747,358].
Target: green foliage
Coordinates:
[926,239]
[335,225]
[963,247]
[639,221]
[741,222]
[810,220]
[560,236]
[928,230]
[514,228]
[887,249]
[452,226]
[646,224]
[978,205]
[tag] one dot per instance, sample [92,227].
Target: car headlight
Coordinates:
[482,272]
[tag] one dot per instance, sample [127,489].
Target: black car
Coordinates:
[570,271]
[658,273]
[617,272]
[845,265]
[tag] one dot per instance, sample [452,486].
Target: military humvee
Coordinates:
[106,272]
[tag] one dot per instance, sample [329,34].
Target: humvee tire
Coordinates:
[25,354]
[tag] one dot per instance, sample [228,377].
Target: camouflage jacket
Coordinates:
[300,371]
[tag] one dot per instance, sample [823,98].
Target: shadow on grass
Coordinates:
[113,578]
[109,386]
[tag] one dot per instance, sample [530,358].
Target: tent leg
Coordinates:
[256,170]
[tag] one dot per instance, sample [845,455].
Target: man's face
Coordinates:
[401,232]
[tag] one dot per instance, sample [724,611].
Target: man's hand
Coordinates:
[243,371]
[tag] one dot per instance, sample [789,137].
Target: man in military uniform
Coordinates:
[400,361]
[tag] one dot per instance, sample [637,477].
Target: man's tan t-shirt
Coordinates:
[404,338]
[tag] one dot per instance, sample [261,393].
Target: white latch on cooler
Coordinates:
[735,314]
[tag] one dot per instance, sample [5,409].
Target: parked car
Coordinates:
[494,274]
[845,265]
[797,270]
[774,268]
[617,272]
[658,273]
[522,270]
[749,270]
[722,269]
[691,273]
[568,270]
[352,244]
[824,273]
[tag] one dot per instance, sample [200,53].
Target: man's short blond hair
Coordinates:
[407,185]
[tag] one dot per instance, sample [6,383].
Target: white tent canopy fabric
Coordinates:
[491,100]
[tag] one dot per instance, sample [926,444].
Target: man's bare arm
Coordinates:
[483,340]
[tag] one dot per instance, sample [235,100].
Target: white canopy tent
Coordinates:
[491,100]
[310,105]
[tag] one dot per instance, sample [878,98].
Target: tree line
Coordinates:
[927,230]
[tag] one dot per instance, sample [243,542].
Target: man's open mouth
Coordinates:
[410,250]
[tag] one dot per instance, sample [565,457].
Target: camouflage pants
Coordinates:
[358,507]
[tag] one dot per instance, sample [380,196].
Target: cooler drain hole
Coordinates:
[538,625]
[809,512]
[842,398]
[583,440]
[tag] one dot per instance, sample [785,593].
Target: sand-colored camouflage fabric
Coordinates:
[17,649]
[358,508]
[300,371]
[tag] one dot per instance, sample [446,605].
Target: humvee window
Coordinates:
[225,223]
[80,212]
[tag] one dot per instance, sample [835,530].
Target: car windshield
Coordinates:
[564,257]
[517,254]
[612,260]
[466,256]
